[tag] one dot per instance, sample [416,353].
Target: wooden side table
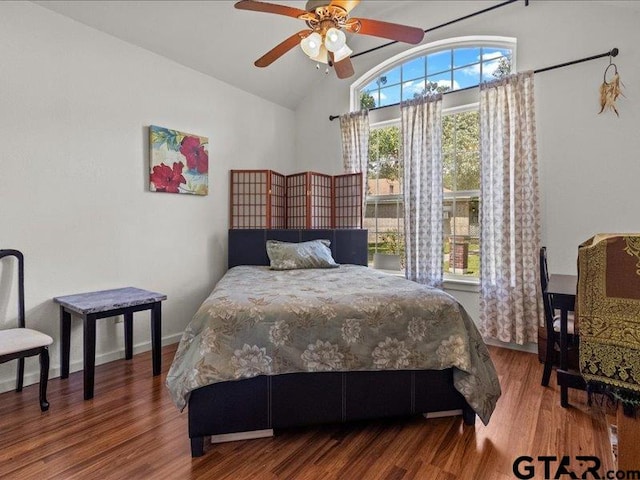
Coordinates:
[92,306]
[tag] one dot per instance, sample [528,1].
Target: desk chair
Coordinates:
[552,323]
[19,343]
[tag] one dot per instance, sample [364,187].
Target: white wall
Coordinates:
[75,106]
[589,163]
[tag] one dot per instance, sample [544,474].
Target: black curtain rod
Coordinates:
[479,12]
[611,53]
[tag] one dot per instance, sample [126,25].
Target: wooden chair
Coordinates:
[19,343]
[552,323]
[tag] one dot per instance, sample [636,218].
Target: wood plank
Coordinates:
[130,429]
[628,441]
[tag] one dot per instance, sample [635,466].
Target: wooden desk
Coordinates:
[90,307]
[562,289]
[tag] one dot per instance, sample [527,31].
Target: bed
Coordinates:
[277,349]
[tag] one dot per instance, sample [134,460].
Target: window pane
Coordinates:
[449,172]
[495,69]
[491,53]
[461,182]
[371,87]
[369,99]
[465,56]
[413,69]
[467,130]
[448,133]
[461,249]
[384,214]
[467,171]
[412,89]
[440,82]
[389,95]
[438,62]
[392,76]
[467,77]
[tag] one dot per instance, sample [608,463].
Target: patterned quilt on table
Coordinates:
[608,310]
[263,322]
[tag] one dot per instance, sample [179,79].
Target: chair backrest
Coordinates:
[544,281]
[20,257]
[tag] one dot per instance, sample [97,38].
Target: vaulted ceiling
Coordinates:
[216,39]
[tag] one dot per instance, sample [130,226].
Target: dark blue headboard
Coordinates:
[249,247]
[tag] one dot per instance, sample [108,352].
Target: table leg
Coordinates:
[89,354]
[128,335]
[156,337]
[65,341]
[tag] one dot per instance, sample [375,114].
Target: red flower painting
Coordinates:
[178,161]
[197,157]
[166,179]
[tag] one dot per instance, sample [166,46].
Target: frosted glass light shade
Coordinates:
[311,44]
[341,54]
[322,56]
[334,39]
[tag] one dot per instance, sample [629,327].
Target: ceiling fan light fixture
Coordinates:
[322,56]
[341,54]
[311,44]
[334,39]
[324,39]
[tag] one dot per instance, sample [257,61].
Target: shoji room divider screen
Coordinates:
[258,199]
[268,199]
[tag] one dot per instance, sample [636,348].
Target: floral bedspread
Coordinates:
[263,322]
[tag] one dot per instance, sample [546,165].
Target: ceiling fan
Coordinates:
[324,41]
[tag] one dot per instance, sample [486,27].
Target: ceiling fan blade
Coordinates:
[392,31]
[280,49]
[346,5]
[269,8]
[343,68]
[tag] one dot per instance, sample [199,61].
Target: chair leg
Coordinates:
[548,362]
[44,378]
[20,377]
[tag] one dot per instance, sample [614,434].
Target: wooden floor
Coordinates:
[131,430]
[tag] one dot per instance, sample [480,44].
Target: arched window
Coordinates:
[455,67]
[444,66]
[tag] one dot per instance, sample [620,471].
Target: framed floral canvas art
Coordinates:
[179,162]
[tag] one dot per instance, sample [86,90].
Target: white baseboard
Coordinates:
[232,437]
[443,413]
[33,377]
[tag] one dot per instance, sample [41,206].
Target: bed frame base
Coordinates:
[265,403]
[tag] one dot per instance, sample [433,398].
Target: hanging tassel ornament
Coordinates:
[610,91]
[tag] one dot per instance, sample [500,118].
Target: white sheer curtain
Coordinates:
[421,126]
[510,298]
[354,129]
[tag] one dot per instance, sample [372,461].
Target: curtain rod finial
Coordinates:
[333,117]
[614,52]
